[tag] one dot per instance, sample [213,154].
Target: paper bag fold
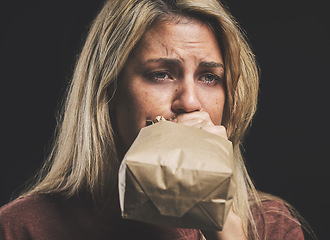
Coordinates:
[177,175]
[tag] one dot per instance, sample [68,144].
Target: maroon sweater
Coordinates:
[45,217]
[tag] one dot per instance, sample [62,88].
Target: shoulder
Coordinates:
[27,208]
[21,207]
[44,217]
[275,220]
[18,217]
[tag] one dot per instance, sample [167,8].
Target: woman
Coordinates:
[185,60]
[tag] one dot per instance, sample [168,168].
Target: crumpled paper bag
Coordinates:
[179,176]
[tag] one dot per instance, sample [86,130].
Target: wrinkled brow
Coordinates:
[211,64]
[165,60]
[172,61]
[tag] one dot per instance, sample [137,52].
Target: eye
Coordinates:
[210,79]
[160,76]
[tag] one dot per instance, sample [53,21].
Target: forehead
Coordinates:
[172,36]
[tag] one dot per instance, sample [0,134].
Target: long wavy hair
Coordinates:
[83,156]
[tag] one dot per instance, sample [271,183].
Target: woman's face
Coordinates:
[176,69]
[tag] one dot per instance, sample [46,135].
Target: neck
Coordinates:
[114,201]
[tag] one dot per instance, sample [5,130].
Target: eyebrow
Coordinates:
[173,61]
[211,64]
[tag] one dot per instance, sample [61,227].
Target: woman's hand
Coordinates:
[202,120]
[233,228]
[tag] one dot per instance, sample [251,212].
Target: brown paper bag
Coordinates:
[177,175]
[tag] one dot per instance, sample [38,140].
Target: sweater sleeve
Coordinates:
[295,233]
[276,222]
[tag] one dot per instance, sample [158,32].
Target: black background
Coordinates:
[287,147]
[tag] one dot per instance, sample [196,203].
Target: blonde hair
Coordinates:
[84,156]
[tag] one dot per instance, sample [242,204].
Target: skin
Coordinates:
[177,70]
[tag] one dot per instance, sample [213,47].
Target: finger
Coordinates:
[200,124]
[191,122]
[207,126]
[198,115]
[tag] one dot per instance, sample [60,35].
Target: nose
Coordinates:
[186,98]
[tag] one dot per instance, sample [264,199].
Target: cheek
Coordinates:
[215,106]
[147,98]
[140,103]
